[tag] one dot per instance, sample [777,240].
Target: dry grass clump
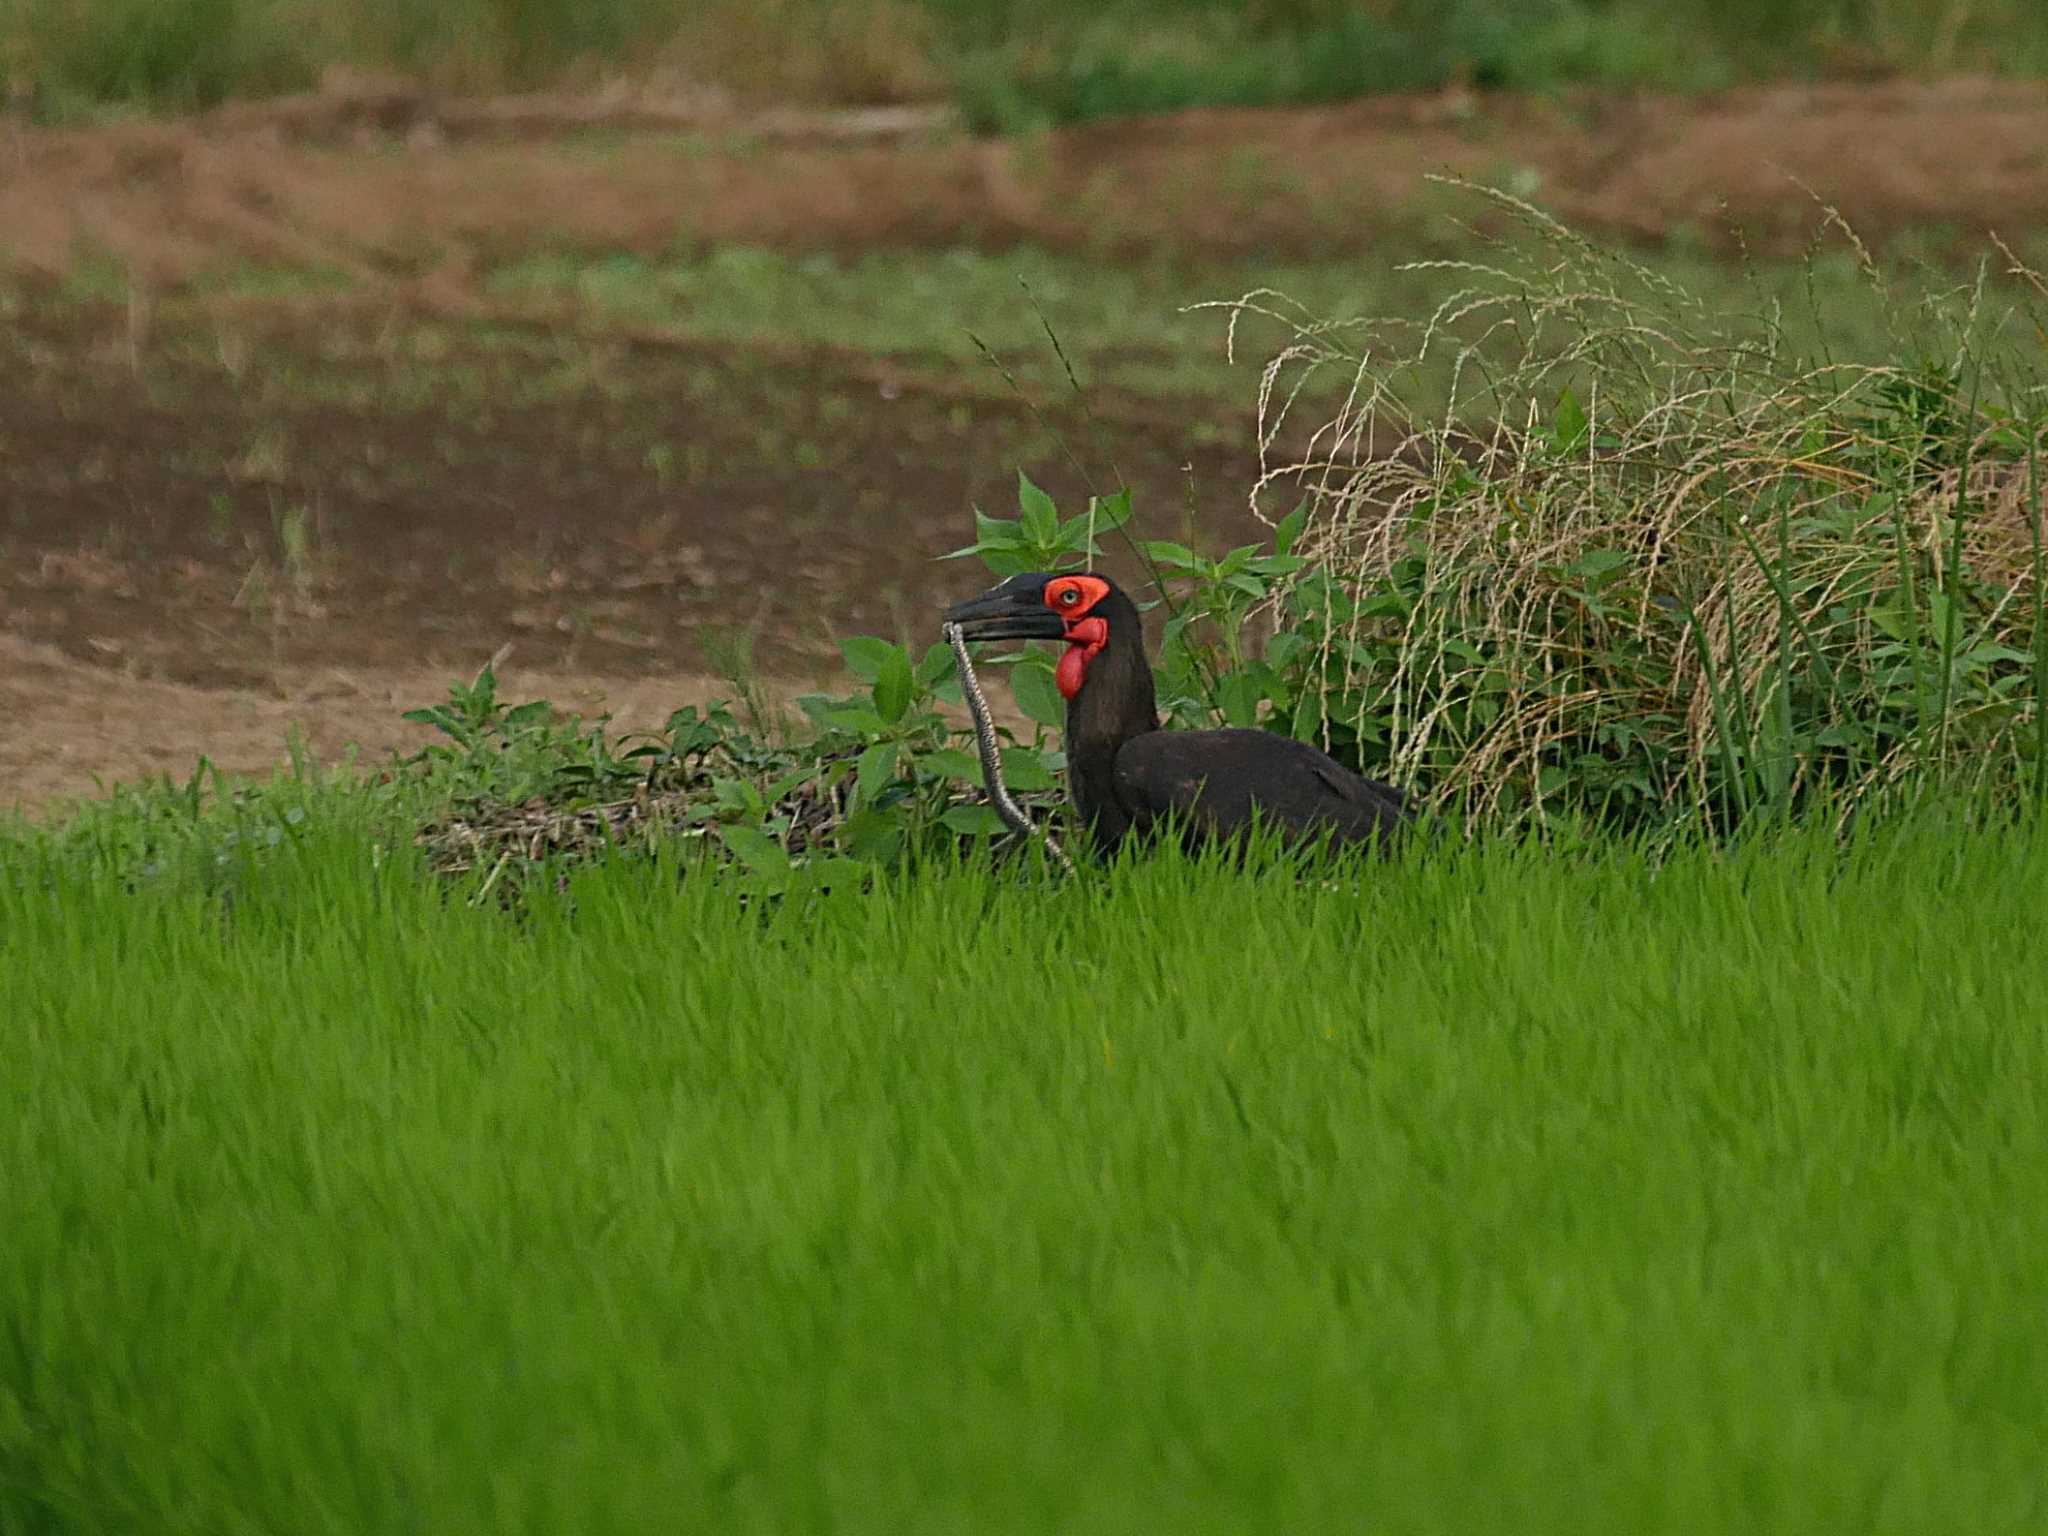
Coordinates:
[489,835]
[1647,562]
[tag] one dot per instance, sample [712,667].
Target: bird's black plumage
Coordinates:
[1126,775]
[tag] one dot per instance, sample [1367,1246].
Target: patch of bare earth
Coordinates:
[399,183]
[74,727]
[393,503]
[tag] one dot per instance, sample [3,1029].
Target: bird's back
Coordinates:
[1218,781]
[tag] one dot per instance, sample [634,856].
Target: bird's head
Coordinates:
[1075,608]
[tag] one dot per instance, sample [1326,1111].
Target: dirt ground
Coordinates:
[381,181]
[388,505]
[77,733]
[315,509]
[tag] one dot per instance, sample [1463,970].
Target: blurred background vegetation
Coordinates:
[1009,64]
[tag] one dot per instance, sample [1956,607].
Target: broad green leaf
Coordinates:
[1991,652]
[974,820]
[818,706]
[1289,529]
[873,836]
[1276,565]
[865,655]
[738,795]
[534,712]
[1889,618]
[1307,724]
[777,788]
[1238,559]
[1283,650]
[1008,562]
[951,763]
[936,666]
[1940,609]
[1569,432]
[857,719]
[997,532]
[1037,694]
[1039,519]
[1179,556]
[876,771]
[1111,512]
[1600,562]
[1238,695]
[1277,689]
[1025,771]
[894,685]
[756,850]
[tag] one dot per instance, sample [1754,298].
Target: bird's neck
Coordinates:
[1114,703]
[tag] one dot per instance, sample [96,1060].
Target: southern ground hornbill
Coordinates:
[1127,775]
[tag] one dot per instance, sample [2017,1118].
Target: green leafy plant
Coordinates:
[1038,538]
[1205,672]
[509,753]
[878,773]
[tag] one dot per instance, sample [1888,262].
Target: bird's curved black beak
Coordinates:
[1007,612]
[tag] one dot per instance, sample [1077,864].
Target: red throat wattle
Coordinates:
[1071,597]
[1085,640]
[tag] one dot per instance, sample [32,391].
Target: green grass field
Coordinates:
[1509,1191]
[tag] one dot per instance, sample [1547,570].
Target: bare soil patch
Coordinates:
[74,726]
[365,496]
[400,185]
[392,503]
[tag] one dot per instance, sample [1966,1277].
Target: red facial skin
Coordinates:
[1071,597]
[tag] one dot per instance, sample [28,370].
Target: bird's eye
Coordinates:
[1070,596]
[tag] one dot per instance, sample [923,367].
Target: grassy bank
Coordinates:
[1145,328]
[1137,328]
[1691,1198]
[1009,64]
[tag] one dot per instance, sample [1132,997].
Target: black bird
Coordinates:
[1127,775]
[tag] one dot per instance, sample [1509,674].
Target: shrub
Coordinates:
[1651,564]
[868,777]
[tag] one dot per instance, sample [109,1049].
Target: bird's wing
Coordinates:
[1218,780]
[1363,791]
